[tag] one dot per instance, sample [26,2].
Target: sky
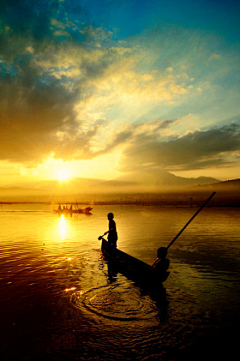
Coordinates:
[102,89]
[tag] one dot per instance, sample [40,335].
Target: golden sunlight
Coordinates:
[63,174]
[63,227]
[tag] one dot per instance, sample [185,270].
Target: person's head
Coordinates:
[162,252]
[110,216]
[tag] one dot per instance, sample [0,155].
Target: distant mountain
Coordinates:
[143,188]
[154,181]
[157,180]
[18,190]
[229,186]
[53,185]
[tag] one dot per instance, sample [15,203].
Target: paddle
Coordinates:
[100,237]
[174,239]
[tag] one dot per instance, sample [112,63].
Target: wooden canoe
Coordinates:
[131,266]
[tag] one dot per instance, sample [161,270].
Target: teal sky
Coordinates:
[101,88]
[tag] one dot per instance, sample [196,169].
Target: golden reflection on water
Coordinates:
[70,289]
[58,230]
[62,227]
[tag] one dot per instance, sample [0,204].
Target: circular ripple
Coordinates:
[118,303]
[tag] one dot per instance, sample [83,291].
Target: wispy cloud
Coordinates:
[73,90]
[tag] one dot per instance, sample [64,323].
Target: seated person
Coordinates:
[162,263]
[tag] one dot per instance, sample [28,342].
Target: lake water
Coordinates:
[58,301]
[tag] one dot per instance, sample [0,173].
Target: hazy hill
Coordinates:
[18,189]
[227,193]
[230,186]
[143,188]
[156,180]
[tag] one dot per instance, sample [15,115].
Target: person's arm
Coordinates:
[108,231]
[111,227]
[155,264]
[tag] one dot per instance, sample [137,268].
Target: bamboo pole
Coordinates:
[204,204]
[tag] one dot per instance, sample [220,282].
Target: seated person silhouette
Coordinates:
[161,264]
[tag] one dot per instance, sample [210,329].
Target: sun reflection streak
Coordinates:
[63,227]
[70,289]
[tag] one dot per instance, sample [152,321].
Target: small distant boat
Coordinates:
[66,210]
[85,210]
[131,266]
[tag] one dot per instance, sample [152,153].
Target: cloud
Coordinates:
[215,57]
[43,82]
[195,150]
[55,92]
[74,91]
[132,133]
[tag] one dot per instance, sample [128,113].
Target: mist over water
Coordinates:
[60,301]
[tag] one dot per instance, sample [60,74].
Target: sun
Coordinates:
[63,175]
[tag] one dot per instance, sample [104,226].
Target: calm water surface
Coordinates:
[59,302]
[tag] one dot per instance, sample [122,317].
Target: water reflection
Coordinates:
[112,272]
[122,299]
[70,289]
[118,301]
[62,227]
[50,264]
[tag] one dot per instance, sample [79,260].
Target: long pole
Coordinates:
[174,239]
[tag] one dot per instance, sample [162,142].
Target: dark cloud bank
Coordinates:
[195,150]
[37,115]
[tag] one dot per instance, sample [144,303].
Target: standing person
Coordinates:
[112,231]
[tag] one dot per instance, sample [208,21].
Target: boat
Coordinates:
[139,270]
[66,210]
[131,266]
[85,210]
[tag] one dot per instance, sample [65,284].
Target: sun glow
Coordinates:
[63,227]
[63,175]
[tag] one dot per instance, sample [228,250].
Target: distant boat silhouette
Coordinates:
[66,210]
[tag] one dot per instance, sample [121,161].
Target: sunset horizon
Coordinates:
[119,180]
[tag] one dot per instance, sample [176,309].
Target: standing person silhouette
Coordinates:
[112,231]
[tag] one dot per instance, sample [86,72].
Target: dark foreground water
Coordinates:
[59,302]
